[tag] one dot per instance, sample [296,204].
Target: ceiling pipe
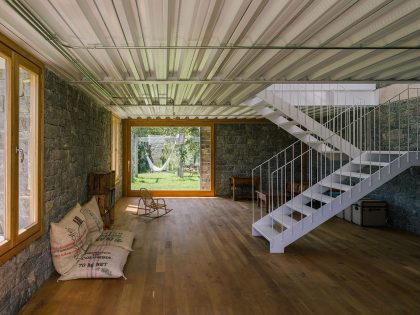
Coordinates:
[61,47]
[241,47]
[218,106]
[23,12]
[177,116]
[262,81]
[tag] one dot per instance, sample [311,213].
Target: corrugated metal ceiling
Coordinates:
[213,81]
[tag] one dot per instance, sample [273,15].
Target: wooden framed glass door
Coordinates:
[169,158]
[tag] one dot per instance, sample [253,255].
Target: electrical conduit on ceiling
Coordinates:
[23,12]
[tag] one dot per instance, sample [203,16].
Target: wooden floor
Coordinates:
[202,259]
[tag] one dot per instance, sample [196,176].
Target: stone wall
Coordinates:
[241,147]
[398,125]
[403,196]
[77,140]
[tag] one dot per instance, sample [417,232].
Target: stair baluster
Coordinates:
[349,176]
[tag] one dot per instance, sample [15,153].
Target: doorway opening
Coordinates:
[170,160]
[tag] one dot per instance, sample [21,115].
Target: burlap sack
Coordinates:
[120,238]
[99,262]
[68,240]
[93,220]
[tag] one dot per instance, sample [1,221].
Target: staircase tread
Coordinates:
[329,151]
[316,141]
[273,114]
[259,106]
[387,152]
[302,132]
[301,208]
[266,111]
[288,122]
[266,230]
[318,196]
[283,219]
[367,162]
[282,210]
[335,185]
[352,174]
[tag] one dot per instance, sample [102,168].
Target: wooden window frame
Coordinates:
[115,146]
[6,246]
[15,242]
[128,123]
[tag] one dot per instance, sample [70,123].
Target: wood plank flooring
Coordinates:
[202,259]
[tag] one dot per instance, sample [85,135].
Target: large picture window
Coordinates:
[170,160]
[20,150]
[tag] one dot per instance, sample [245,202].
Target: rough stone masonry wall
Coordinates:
[403,197]
[241,147]
[403,192]
[77,139]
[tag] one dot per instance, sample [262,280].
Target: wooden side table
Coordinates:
[239,184]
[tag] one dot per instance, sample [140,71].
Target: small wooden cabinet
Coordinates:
[241,187]
[102,186]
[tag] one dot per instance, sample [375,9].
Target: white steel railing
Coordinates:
[261,174]
[384,134]
[384,128]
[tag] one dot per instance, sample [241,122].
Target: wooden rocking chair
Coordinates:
[151,205]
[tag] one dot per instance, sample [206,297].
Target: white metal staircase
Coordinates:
[387,139]
[272,106]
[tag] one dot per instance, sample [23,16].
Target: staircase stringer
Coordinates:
[294,114]
[346,199]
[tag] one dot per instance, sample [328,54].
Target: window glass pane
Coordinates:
[171,158]
[3,130]
[26,148]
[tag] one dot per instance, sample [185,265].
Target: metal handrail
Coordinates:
[351,134]
[300,141]
[276,156]
[353,122]
[360,120]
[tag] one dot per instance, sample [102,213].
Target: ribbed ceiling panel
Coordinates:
[145,82]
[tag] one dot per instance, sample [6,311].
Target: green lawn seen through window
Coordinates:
[166,181]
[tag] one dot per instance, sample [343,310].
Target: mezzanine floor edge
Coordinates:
[202,259]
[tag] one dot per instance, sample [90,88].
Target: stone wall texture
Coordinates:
[77,141]
[403,197]
[241,147]
[398,126]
